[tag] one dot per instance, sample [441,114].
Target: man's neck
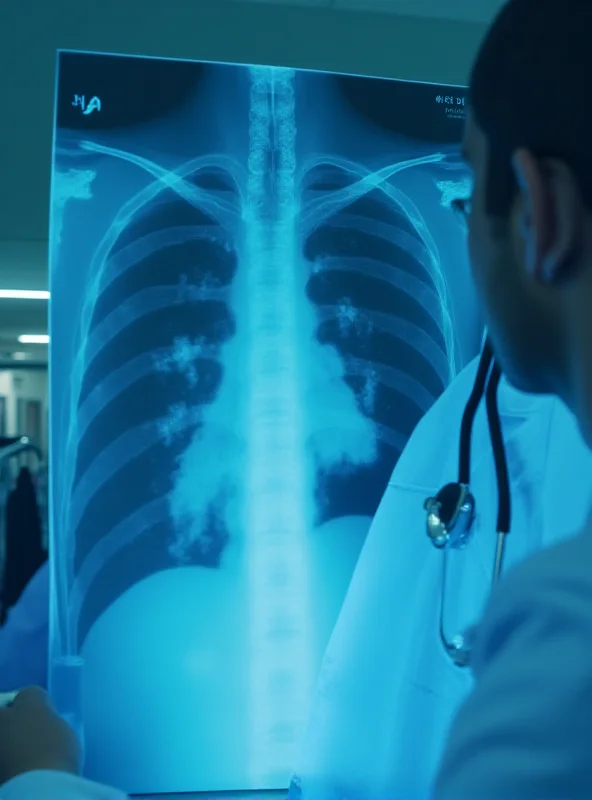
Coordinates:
[577,386]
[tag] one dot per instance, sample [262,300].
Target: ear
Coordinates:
[533,210]
[550,220]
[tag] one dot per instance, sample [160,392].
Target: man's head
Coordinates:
[528,141]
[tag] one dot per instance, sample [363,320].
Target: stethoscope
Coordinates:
[451,513]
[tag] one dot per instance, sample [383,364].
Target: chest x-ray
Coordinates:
[258,289]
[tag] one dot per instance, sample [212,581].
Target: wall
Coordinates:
[308,37]
[25,385]
[6,392]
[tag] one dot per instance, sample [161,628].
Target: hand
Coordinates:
[33,737]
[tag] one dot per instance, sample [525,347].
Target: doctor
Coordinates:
[525,729]
[388,690]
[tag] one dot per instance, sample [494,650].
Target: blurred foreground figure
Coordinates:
[40,756]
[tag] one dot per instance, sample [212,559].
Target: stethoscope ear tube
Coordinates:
[504,501]
[470,412]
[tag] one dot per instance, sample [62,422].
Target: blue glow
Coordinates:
[229,398]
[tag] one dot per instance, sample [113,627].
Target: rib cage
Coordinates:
[134,349]
[261,329]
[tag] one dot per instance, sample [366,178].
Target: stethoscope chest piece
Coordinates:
[460,649]
[450,516]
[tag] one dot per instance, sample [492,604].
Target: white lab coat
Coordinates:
[387,693]
[24,637]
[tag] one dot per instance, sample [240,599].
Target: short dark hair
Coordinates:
[531,86]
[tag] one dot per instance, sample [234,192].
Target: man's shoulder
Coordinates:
[568,560]
[525,730]
[551,588]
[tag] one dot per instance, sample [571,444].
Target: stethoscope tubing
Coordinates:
[487,383]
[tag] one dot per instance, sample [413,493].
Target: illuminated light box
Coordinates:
[258,288]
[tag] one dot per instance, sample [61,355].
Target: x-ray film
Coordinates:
[258,288]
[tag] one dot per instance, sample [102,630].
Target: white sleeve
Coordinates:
[525,733]
[24,637]
[46,785]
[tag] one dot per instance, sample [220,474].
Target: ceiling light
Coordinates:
[34,339]
[22,294]
[19,356]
